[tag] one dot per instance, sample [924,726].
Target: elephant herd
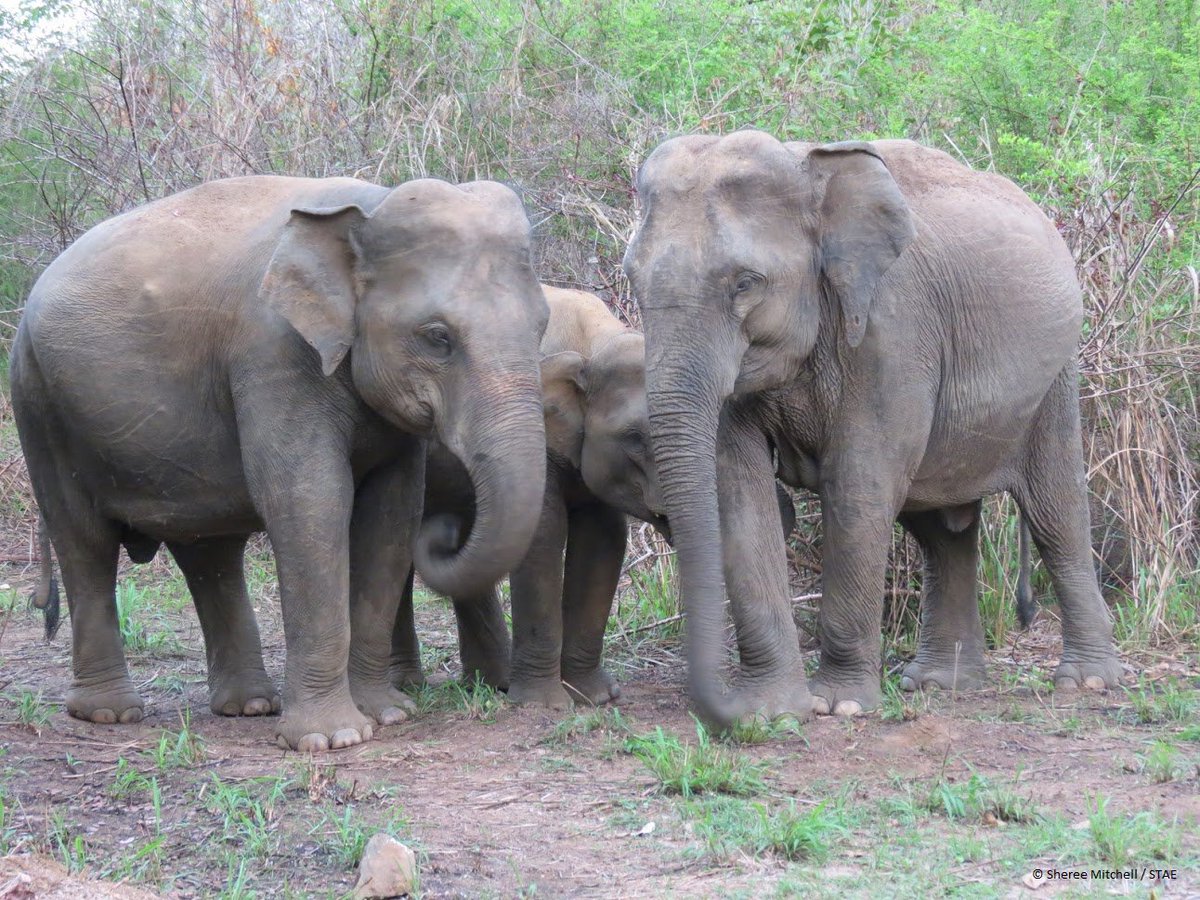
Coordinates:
[377,379]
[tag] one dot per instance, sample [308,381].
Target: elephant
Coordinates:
[598,470]
[895,332]
[274,353]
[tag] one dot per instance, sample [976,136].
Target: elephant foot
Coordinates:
[382,702]
[491,670]
[407,676]
[844,698]
[106,704]
[1092,675]
[245,694]
[595,687]
[918,676]
[318,727]
[776,699]
[547,692]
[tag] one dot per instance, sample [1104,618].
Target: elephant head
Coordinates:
[596,419]
[747,250]
[433,298]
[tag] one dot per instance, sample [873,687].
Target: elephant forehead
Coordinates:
[480,211]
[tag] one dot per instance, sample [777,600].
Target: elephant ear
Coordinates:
[564,384]
[865,226]
[310,280]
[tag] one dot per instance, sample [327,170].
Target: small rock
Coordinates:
[388,869]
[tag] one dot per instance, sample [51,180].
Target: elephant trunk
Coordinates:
[685,392]
[499,437]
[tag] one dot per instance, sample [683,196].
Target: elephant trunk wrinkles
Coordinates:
[502,443]
[684,401]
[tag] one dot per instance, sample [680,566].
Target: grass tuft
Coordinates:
[701,768]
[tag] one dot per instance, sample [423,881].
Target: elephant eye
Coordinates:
[746,281]
[437,338]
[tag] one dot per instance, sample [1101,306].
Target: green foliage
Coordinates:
[980,799]
[1168,700]
[178,749]
[701,768]
[144,629]
[606,719]
[730,826]
[477,700]
[1121,839]
[31,710]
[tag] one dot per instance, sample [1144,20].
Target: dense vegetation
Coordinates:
[1090,105]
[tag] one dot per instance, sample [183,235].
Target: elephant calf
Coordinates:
[599,468]
[270,353]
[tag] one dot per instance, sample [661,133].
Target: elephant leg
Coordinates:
[1054,503]
[862,488]
[484,647]
[405,668]
[596,536]
[950,653]
[305,496]
[771,680]
[537,591]
[87,546]
[387,512]
[237,681]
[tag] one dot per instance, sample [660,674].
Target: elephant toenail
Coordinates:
[346,737]
[314,742]
[104,717]
[1095,683]
[1066,683]
[820,705]
[907,684]
[847,708]
[131,715]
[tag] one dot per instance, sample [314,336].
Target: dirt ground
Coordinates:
[508,802]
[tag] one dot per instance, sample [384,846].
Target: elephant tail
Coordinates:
[1027,606]
[45,595]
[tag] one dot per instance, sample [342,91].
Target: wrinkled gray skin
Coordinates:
[901,332]
[268,353]
[599,470]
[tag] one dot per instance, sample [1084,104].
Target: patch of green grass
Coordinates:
[1162,763]
[127,781]
[978,798]
[1121,839]
[729,826]
[477,700]
[701,768]
[178,749]
[30,709]
[7,830]
[900,705]
[237,881]
[1190,733]
[140,618]
[650,605]
[1169,700]
[65,843]
[760,731]
[349,833]
[247,819]
[606,719]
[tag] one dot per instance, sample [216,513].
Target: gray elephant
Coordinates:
[270,353]
[599,469]
[900,333]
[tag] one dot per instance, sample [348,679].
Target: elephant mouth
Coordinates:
[663,527]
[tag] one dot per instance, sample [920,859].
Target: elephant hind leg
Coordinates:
[484,646]
[950,651]
[238,684]
[1052,494]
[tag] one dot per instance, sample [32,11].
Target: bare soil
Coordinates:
[499,803]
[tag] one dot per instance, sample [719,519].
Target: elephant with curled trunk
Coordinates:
[598,470]
[271,353]
[899,333]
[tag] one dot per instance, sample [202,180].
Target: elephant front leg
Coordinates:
[238,685]
[484,647]
[306,502]
[770,682]
[596,537]
[387,511]
[405,668]
[951,650]
[860,495]
[537,591]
